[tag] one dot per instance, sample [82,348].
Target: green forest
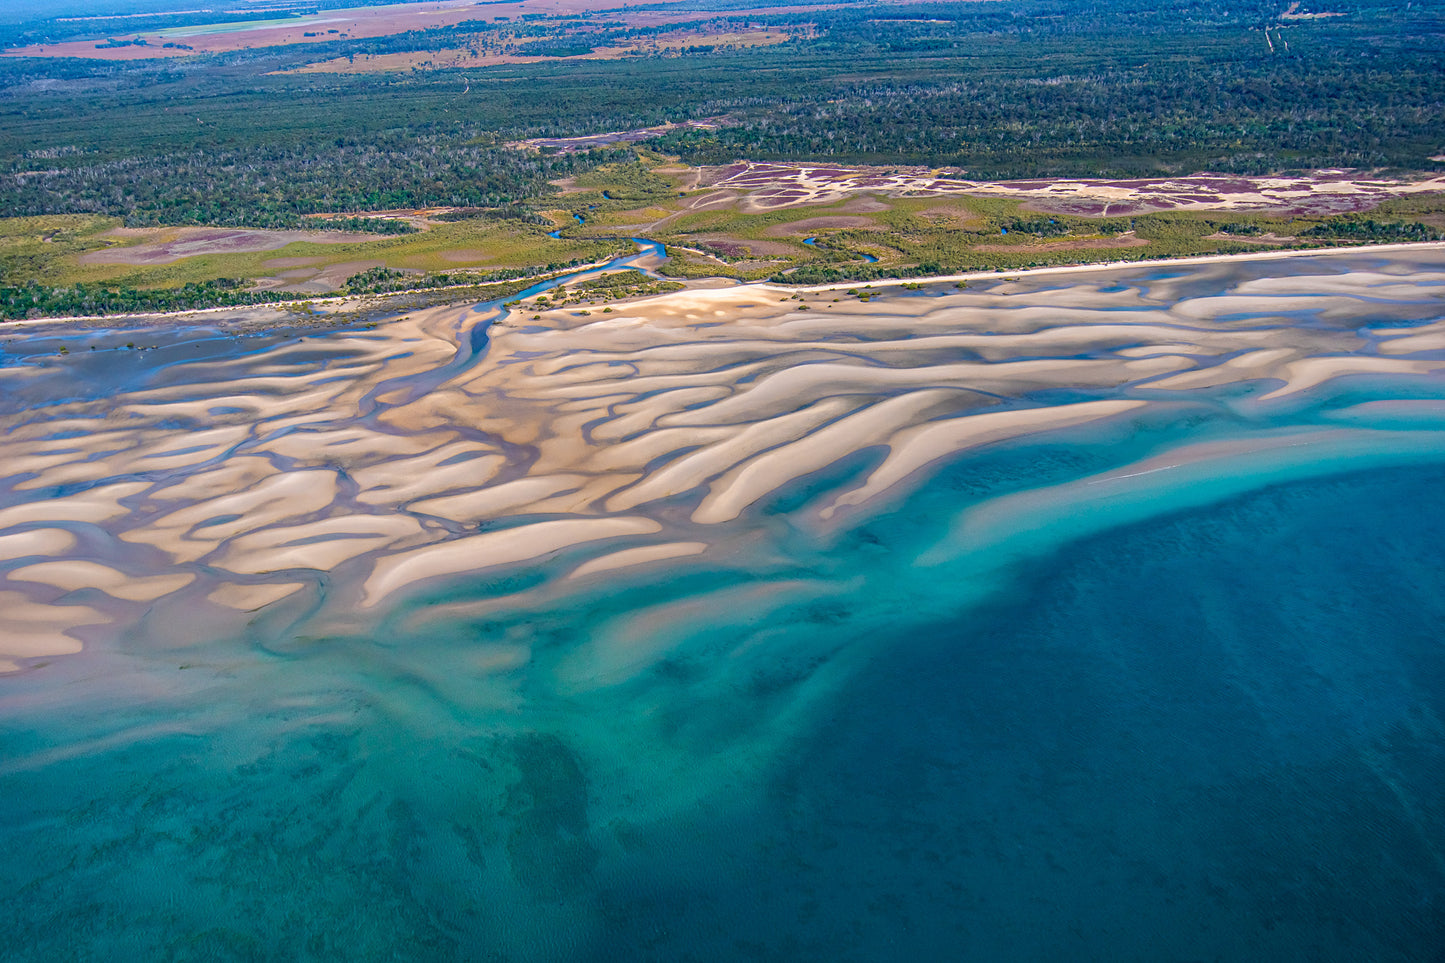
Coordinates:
[990,90]
[1036,88]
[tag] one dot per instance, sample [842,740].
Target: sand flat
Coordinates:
[74,574]
[477,553]
[320,545]
[249,598]
[40,541]
[373,458]
[95,506]
[643,555]
[754,480]
[498,500]
[33,630]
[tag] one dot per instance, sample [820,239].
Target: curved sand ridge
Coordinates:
[348,470]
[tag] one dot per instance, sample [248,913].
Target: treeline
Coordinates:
[828,274]
[1369,229]
[277,186]
[34,300]
[371,225]
[513,213]
[381,280]
[1233,116]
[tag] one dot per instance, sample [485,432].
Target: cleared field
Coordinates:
[363,23]
[452,57]
[354,23]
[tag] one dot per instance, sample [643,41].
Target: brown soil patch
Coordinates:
[809,225]
[173,244]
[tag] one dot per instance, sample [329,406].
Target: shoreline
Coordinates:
[1089,266]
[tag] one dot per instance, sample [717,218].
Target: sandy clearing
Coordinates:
[335,276]
[745,247]
[354,23]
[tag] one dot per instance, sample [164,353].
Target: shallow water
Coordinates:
[1160,688]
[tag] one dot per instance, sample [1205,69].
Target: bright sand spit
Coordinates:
[604,444]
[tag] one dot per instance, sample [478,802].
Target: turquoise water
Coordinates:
[1211,735]
[1020,715]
